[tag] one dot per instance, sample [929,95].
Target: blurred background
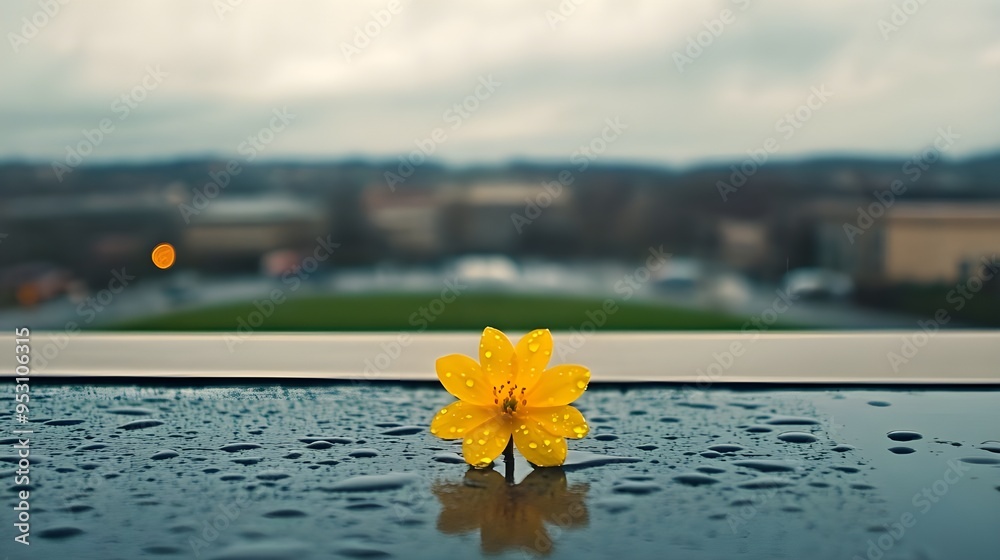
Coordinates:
[391,165]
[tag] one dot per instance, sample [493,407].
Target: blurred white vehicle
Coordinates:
[486,269]
[817,283]
[679,275]
[727,291]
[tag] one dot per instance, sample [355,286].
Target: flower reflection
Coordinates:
[518,517]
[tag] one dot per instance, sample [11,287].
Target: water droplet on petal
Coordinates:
[533,445]
[469,383]
[489,354]
[533,347]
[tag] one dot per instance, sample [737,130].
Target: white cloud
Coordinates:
[606,59]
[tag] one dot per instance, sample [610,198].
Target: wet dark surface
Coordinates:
[336,471]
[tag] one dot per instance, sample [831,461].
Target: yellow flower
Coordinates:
[510,392]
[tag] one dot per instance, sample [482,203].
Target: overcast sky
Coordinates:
[560,78]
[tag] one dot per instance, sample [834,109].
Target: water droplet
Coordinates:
[638,488]
[60,532]
[130,411]
[140,425]
[792,421]
[758,429]
[991,446]
[582,459]
[980,460]
[363,453]
[489,354]
[234,447]
[797,437]
[764,483]
[765,465]
[272,475]
[695,479]
[904,435]
[284,513]
[450,458]
[64,422]
[469,383]
[333,439]
[533,445]
[165,454]
[533,346]
[726,448]
[373,482]
[902,450]
[403,431]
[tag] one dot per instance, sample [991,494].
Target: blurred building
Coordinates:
[496,217]
[231,231]
[913,242]
[407,223]
[486,217]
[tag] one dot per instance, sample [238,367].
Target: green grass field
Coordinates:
[381,312]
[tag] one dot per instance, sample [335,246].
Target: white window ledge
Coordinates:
[866,357]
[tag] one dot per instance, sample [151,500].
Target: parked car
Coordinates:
[818,283]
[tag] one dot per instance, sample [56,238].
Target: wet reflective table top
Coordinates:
[270,471]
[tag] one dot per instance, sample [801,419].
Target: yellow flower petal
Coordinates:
[563,421]
[463,378]
[496,357]
[533,352]
[460,418]
[486,442]
[558,386]
[537,445]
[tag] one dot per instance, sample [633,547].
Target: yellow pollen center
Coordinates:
[508,397]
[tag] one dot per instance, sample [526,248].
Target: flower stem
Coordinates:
[508,459]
